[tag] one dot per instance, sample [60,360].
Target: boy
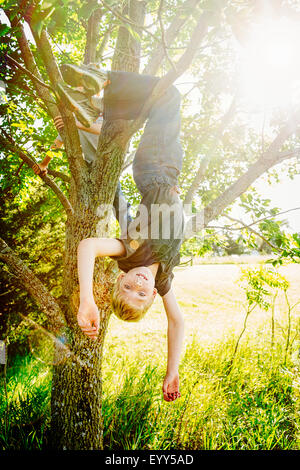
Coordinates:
[151,249]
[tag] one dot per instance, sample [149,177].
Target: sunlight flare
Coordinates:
[270,65]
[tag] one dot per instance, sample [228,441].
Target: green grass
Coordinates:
[25,416]
[252,405]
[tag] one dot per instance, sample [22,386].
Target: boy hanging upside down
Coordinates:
[150,250]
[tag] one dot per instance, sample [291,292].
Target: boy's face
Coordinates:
[137,287]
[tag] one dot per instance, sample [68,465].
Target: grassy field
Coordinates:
[249,403]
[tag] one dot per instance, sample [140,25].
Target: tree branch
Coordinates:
[273,215]
[33,286]
[92,36]
[127,51]
[129,20]
[70,133]
[251,229]
[8,142]
[59,174]
[14,63]
[31,66]
[231,228]
[105,38]
[128,161]
[163,38]
[181,66]
[205,161]
[181,17]
[266,161]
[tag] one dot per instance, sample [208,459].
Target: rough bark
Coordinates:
[127,51]
[76,398]
[92,36]
[34,287]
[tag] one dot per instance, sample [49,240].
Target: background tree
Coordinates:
[224,155]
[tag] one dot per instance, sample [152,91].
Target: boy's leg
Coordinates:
[159,155]
[78,102]
[124,92]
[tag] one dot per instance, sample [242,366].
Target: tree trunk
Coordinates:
[76,399]
[128,48]
[92,36]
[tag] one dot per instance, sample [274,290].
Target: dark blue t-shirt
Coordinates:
[155,235]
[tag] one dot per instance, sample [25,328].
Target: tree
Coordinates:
[173,45]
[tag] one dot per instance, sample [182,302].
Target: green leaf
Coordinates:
[4,28]
[87,9]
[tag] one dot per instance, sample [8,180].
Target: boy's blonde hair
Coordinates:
[124,311]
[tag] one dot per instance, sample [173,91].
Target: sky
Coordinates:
[270,79]
[285,195]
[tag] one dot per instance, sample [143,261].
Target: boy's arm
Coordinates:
[41,168]
[175,339]
[88,250]
[94,128]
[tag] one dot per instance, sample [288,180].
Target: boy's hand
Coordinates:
[176,189]
[59,123]
[88,319]
[171,387]
[57,144]
[40,169]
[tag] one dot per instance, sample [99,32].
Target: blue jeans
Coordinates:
[158,159]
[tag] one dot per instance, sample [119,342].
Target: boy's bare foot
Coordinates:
[176,189]
[171,387]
